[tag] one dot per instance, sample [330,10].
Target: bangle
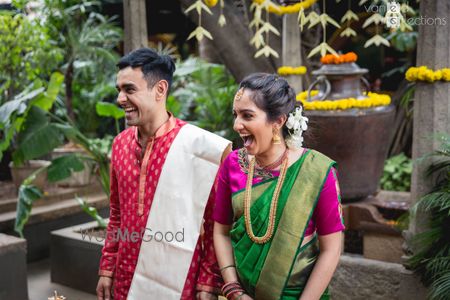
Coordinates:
[232,289]
[229,266]
[236,295]
[239,296]
[230,284]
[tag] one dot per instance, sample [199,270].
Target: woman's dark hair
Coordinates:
[272,94]
[155,67]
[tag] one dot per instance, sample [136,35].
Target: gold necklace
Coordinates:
[273,205]
[275,164]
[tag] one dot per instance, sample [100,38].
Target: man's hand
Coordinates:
[104,287]
[206,296]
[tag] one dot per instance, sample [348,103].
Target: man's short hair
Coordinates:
[155,67]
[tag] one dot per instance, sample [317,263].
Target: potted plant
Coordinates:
[27,132]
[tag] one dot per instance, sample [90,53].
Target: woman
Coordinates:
[275,202]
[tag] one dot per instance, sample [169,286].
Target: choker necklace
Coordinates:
[273,205]
[275,164]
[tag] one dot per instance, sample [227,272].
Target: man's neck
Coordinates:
[148,130]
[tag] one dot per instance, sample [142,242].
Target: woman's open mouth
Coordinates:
[248,139]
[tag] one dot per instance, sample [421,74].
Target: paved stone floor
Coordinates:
[40,287]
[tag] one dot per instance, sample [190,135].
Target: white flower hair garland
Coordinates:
[296,123]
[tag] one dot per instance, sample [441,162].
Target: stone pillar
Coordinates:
[432,100]
[291,47]
[135,23]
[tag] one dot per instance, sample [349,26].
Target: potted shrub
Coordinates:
[26,130]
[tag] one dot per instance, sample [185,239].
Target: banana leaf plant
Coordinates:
[27,124]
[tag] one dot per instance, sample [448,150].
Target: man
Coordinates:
[162,177]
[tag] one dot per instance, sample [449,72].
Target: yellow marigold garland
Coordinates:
[289,9]
[211,3]
[342,104]
[424,73]
[286,70]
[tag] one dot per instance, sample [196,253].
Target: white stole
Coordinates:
[179,203]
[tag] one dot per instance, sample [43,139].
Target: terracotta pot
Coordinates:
[19,174]
[80,178]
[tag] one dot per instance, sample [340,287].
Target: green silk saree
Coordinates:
[280,268]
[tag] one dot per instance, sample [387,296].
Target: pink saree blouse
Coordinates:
[327,215]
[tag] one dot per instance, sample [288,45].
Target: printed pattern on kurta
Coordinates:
[120,255]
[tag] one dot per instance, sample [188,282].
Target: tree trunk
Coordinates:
[232,41]
[68,79]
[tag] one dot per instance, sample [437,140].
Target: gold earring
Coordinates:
[276,140]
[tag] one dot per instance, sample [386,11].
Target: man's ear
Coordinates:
[161,90]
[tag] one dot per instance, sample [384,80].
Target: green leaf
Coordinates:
[45,101]
[10,107]
[62,167]
[27,195]
[105,109]
[38,137]
[92,211]
[173,105]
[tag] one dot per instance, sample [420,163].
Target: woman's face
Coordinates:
[252,125]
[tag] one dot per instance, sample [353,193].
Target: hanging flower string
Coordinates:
[324,19]
[426,74]
[263,27]
[348,17]
[222,21]
[289,9]
[331,59]
[286,70]
[373,100]
[199,32]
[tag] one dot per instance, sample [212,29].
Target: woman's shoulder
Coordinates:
[319,157]
[231,160]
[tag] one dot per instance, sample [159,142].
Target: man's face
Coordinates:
[135,97]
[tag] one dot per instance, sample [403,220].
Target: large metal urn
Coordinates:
[357,139]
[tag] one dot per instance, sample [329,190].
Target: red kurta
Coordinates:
[133,184]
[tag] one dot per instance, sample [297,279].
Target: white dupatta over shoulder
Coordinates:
[176,215]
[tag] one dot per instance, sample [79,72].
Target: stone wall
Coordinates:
[13,275]
[358,278]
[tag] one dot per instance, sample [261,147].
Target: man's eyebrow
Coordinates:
[125,86]
[245,110]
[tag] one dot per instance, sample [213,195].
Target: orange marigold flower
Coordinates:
[339,59]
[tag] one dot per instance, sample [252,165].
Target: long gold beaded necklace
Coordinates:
[273,205]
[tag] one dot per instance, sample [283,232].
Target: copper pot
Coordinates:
[357,139]
[339,82]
